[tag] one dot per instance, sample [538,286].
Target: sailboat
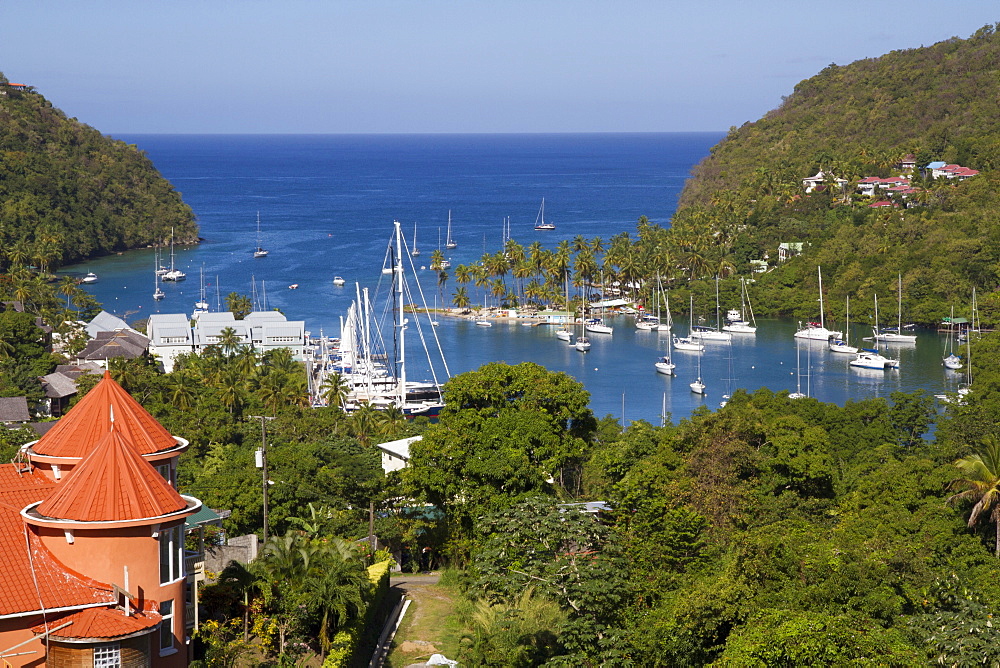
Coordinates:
[871,358]
[688,342]
[449,243]
[842,345]
[698,387]
[201,306]
[259,251]
[158,294]
[896,335]
[952,361]
[740,325]
[564,334]
[582,343]
[160,269]
[797,394]
[817,331]
[540,223]
[706,333]
[596,325]
[174,274]
[416,251]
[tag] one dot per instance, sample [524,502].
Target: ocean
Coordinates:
[327,205]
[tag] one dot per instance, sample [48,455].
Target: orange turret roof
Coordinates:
[99,624]
[89,421]
[112,484]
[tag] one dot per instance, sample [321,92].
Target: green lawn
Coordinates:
[430,626]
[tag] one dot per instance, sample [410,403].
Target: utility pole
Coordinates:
[262,462]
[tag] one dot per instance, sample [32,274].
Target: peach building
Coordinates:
[92,542]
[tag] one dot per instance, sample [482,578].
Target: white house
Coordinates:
[396,454]
[169,336]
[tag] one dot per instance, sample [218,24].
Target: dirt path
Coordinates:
[429,625]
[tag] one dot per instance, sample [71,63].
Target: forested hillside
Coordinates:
[67,192]
[935,103]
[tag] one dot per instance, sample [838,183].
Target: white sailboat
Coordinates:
[540,223]
[582,343]
[698,387]
[596,325]
[688,342]
[259,251]
[158,294]
[705,333]
[449,243]
[174,274]
[201,306]
[842,345]
[951,360]
[817,331]
[416,251]
[797,394]
[741,325]
[896,335]
[871,358]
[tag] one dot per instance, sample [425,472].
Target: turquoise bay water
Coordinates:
[327,204]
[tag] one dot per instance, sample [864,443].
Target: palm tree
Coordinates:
[981,483]
[334,389]
[461,298]
[229,341]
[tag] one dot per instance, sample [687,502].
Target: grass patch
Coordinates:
[431,625]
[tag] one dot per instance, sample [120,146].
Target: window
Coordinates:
[107,655]
[171,554]
[166,627]
[164,470]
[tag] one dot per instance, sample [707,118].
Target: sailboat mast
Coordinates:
[822,321]
[401,323]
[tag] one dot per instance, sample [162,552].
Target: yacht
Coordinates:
[91,277]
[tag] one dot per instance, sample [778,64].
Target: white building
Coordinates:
[169,336]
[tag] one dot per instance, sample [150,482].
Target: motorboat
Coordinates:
[91,277]
[293,286]
[483,323]
[648,323]
[665,366]
[686,343]
[705,333]
[338,281]
[869,358]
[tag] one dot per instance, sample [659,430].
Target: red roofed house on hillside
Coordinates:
[91,542]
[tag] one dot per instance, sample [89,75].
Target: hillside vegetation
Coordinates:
[68,193]
[936,103]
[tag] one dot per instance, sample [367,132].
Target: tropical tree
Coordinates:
[240,305]
[460,298]
[334,389]
[981,485]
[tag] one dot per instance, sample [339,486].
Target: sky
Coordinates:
[432,66]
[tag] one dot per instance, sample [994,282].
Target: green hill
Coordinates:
[68,193]
[850,122]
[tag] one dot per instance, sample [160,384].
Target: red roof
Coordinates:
[89,421]
[880,204]
[21,553]
[100,623]
[112,484]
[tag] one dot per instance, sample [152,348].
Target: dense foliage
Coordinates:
[67,192]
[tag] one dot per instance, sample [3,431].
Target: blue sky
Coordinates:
[346,66]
